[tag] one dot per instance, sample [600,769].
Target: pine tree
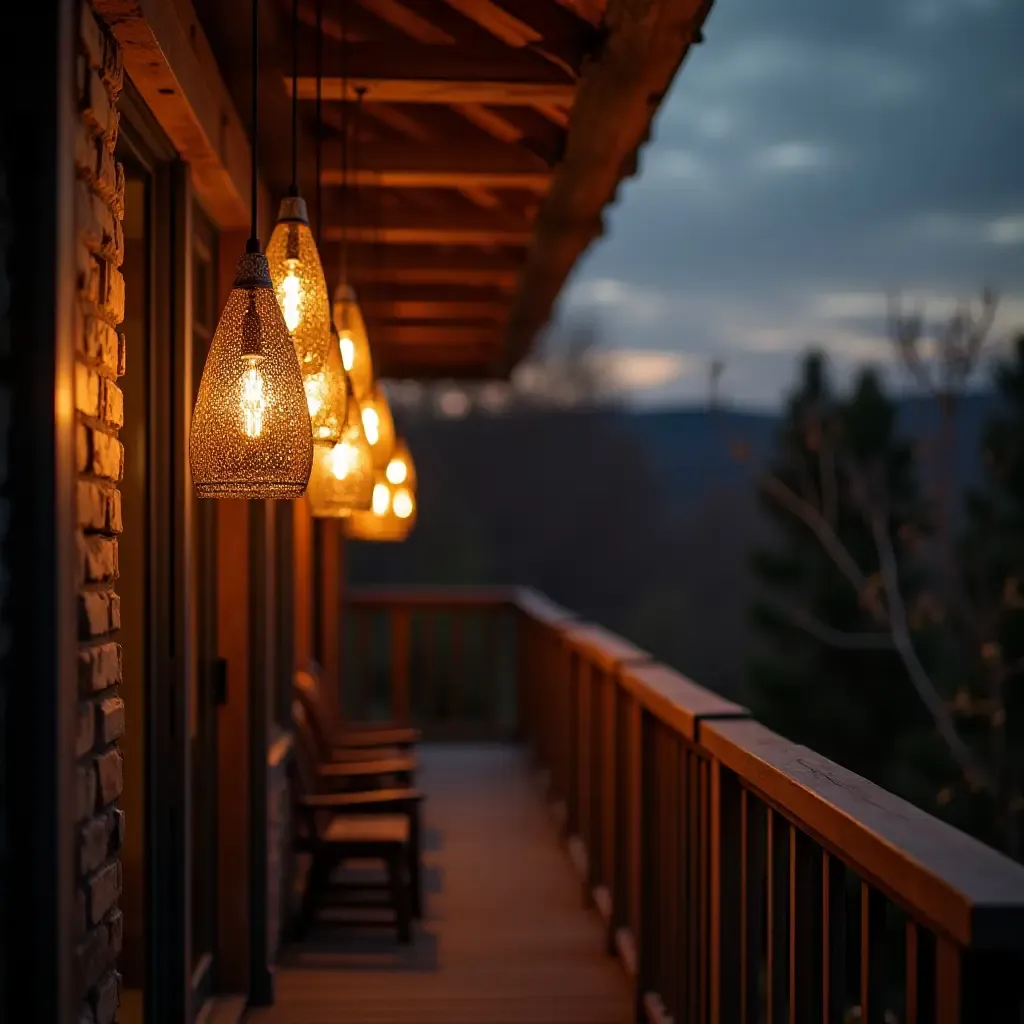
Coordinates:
[815,678]
[989,697]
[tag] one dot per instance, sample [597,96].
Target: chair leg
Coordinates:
[415,864]
[400,895]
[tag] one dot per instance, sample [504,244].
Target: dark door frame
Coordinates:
[168,958]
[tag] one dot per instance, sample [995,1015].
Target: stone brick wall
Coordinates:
[99,207]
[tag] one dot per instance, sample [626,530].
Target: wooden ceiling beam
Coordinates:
[438,234]
[436,363]
[498,181]
[402,17]
[424,267]
[481,197]
[409,309]
[446,336]
[496,91]
[489,121]
[400,122]
[497,21]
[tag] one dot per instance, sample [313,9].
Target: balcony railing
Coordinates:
[740,877]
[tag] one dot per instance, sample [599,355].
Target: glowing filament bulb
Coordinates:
[290,295]
[381,499]
[315,385]
[402,503]
[344,458]
[348,350]
[253,400]
[371,424]
[396,471]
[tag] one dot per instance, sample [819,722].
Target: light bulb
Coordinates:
[402,503]
[344,459]
[396,471]
[253,398]
[348,350]
[371,424]
[315,386]
[381,499]
[291,295]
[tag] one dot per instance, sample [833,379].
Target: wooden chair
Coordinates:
[367,767]
[333,828]
[339,740]
[323,788]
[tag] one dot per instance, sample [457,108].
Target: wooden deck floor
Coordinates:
[506,939]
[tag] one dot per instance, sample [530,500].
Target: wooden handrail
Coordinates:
[958,885]
[721,856]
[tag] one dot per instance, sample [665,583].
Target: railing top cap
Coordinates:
[676,699]
[540,607]
[602,646]
[949,879]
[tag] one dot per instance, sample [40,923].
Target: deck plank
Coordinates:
[506,939]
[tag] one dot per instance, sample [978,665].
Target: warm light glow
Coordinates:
[348,350]
[343,460]
[381,499]
[254,400]
[371,424]
[397,470]
[315,386]
[291,295]
[402,503]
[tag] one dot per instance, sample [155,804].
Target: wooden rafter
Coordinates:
[496,91]
[400,122]
[498,181]
[406,20]
[436,234]
[481,197]
[434,334]
[489,121]
[496,20]
[401,309]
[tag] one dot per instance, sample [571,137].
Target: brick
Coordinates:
[83,448]
[113,300]
[104,173]
[102,890]
[93,613]
[99,556]
[86,1016]
[93,957]
[87,157]
[81,915]
[99,668]
[99,507]
[106,998]
[85,730]
[109,768]
[118,205]
[115,251]
[85,795]
[96,106]
[121,346]
[113,68]
[115,611]
[109,719]
[100,343]
[91,216]
[111,404]
[115,929]
[102,452]
[93,843]
[114,522]
[90,272]
[87,390]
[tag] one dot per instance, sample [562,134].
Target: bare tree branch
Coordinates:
[838,638]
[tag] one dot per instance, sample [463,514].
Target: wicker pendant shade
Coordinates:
[299,284]
[327,396]
[379,427]
[342,478]
[355,345]
[250,435]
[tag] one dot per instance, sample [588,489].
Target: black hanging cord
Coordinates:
[344,142]
[294,190]
[319,115]
[253,245]
[356,124]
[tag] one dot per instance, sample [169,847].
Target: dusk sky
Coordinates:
[811,156]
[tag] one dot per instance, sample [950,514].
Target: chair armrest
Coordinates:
[361,769]
[377,736]
[349,755]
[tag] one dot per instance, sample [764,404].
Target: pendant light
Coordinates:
[326,388]
[342,480]
[392,513]
[295,266]
[250,435]
[379,426]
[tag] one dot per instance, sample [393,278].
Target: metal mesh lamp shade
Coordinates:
[379,427]
[250,435]
[327,396]
[299,284]
[355,345]
[392,513]
[342,478]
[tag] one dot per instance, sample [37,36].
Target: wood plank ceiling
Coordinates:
[492,135]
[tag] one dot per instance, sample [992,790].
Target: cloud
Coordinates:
[1007,230]
[629,369]
[792,156]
